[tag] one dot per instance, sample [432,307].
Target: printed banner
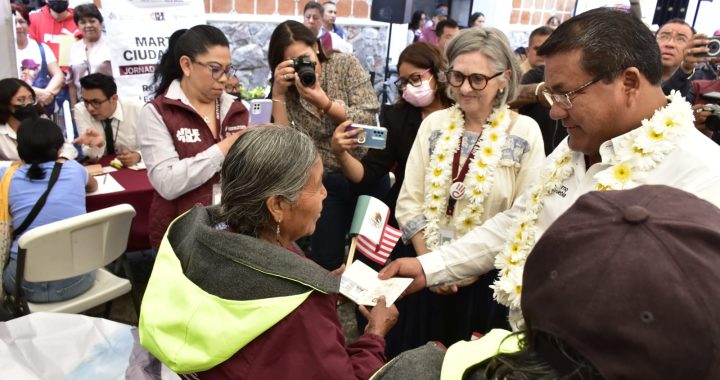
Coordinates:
[138,32]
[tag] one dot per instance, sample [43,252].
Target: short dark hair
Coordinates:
[185,42]
[541,31]
[39,141]
[19,8]
[314,5]
[8,88]
[444,24]
[86,10]
[601,35]
[99,81]
[678,21]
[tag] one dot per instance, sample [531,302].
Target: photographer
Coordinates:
[314,92]
[683,56]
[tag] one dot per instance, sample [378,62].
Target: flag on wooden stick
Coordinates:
[375,238]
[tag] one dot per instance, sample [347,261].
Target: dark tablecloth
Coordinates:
[138,193]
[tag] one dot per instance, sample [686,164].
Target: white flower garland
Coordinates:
[636,153]
[478,181]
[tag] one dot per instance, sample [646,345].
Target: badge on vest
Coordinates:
[188,135]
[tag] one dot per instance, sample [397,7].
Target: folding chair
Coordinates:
[72,247]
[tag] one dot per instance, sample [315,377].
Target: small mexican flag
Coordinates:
[375,238]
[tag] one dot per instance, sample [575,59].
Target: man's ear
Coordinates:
[631,79]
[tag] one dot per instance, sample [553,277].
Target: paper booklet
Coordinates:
[106,184]
[361,284]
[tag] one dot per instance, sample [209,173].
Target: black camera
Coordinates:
[305,69]
[712,122]
[713,48]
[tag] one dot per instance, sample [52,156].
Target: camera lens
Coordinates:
[307,75]
[714,48]
[305,68]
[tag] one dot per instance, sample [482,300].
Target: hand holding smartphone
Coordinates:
[371,137]
[260,111]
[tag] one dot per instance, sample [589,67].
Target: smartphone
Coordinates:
[371,137]
[260,111]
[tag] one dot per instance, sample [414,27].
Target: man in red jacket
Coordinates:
[49,23]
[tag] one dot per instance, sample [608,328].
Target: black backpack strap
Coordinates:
[40,203]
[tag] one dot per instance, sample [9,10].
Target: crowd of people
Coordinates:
[562,207]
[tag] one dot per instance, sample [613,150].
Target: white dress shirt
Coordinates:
[124,125]
[692,167]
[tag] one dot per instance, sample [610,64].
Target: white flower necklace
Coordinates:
[478,181]
[636,153]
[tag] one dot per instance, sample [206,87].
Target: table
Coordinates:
[138,193]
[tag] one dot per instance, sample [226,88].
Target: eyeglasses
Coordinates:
[95,103]
[415,80]
[478,82]
[679,38]
[217,71]
[564,100]
[25,101]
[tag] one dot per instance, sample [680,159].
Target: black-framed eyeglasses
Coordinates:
[217,71]
[415,80]
[94,102]
[565,100]
[478,82]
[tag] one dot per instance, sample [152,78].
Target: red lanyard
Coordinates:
[459,178]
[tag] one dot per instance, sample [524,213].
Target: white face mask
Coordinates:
[419,96]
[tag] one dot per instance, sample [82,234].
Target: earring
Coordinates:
[502,90]
[317,52]
[277,232]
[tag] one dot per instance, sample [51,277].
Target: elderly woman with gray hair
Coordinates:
[229,296]
[468,163]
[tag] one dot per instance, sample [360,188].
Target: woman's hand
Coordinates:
[313,94]
[44,97]
[343,141]
[283,77]
[381,318]
[230,138]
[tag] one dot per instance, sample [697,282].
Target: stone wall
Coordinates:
[249,45]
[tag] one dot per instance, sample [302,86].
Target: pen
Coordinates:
[104,178]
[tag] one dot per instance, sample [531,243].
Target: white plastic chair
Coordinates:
[72,247]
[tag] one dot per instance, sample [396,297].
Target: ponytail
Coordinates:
[39,141]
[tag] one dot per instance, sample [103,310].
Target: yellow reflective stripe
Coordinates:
[464,354]
[190,330]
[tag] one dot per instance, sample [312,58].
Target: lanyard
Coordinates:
[457,188]
[218,127]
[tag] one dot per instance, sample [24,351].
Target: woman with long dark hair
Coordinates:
[190,125]
[39,143]
[315,92]
[415,27]
[18,102]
